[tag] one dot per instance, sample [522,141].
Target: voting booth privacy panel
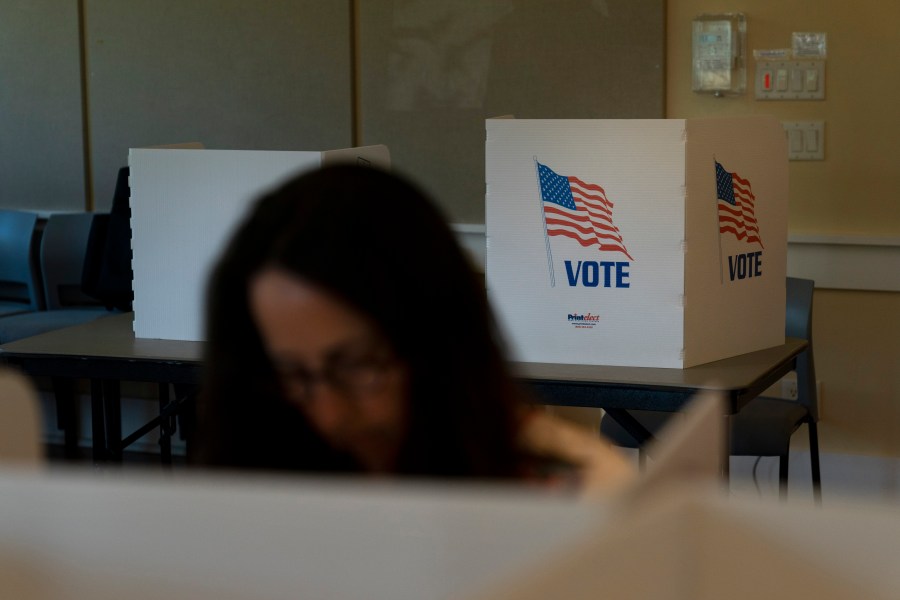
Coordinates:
[650,243]
[687,545]
[184,205]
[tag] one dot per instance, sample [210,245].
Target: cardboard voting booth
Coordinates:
[651,243]
[692,545]
[184,206]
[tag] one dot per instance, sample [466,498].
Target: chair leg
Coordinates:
[166,424]
[98,422]
[814,462]
[783,463]
[187,423]
[67,413]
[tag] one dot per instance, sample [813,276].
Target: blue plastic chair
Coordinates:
[19,288]
[63,248]
[62,253]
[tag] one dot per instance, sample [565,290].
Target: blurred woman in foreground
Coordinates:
[347,332]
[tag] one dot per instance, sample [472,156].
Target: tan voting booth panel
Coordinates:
[650,243]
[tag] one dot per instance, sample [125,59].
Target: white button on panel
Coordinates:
[781,80]
[795,137]
[812,140]
[812,80]
[797,80]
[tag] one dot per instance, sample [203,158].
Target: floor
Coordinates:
[852,468]
[56,456]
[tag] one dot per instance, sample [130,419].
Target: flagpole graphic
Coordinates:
[721,264]
[537,172]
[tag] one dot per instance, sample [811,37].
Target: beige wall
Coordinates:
[858,359]
[855,190]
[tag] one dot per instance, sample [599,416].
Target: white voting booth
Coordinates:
[650,243]
[184,206]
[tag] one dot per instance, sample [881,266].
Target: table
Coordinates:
[106,352]
[619,389]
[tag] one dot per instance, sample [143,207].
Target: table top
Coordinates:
[107,337]
[113,338]
[737,372]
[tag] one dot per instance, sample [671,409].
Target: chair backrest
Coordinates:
[108,275]
[798,324]
[63,247]
[18,272]
[20,422]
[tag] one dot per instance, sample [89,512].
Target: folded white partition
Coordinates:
[649,243]
[184,205]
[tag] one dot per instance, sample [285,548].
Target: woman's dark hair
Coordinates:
[374,240]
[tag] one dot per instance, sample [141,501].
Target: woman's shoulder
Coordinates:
[571,455]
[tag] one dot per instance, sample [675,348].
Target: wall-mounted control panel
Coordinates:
[718,54]
[790,80]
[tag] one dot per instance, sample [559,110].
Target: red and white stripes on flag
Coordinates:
[737,210]
[579,210]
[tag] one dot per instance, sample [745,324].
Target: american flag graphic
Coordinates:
[737,214]
[578,210]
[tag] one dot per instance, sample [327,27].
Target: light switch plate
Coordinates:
[790,80]
[806,139]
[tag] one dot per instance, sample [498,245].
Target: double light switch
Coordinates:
[806,139]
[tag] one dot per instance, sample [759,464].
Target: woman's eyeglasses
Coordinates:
[353,376]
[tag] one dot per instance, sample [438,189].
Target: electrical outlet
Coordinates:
[786,389]
[789,388]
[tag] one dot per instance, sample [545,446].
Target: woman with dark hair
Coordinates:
[347,332]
